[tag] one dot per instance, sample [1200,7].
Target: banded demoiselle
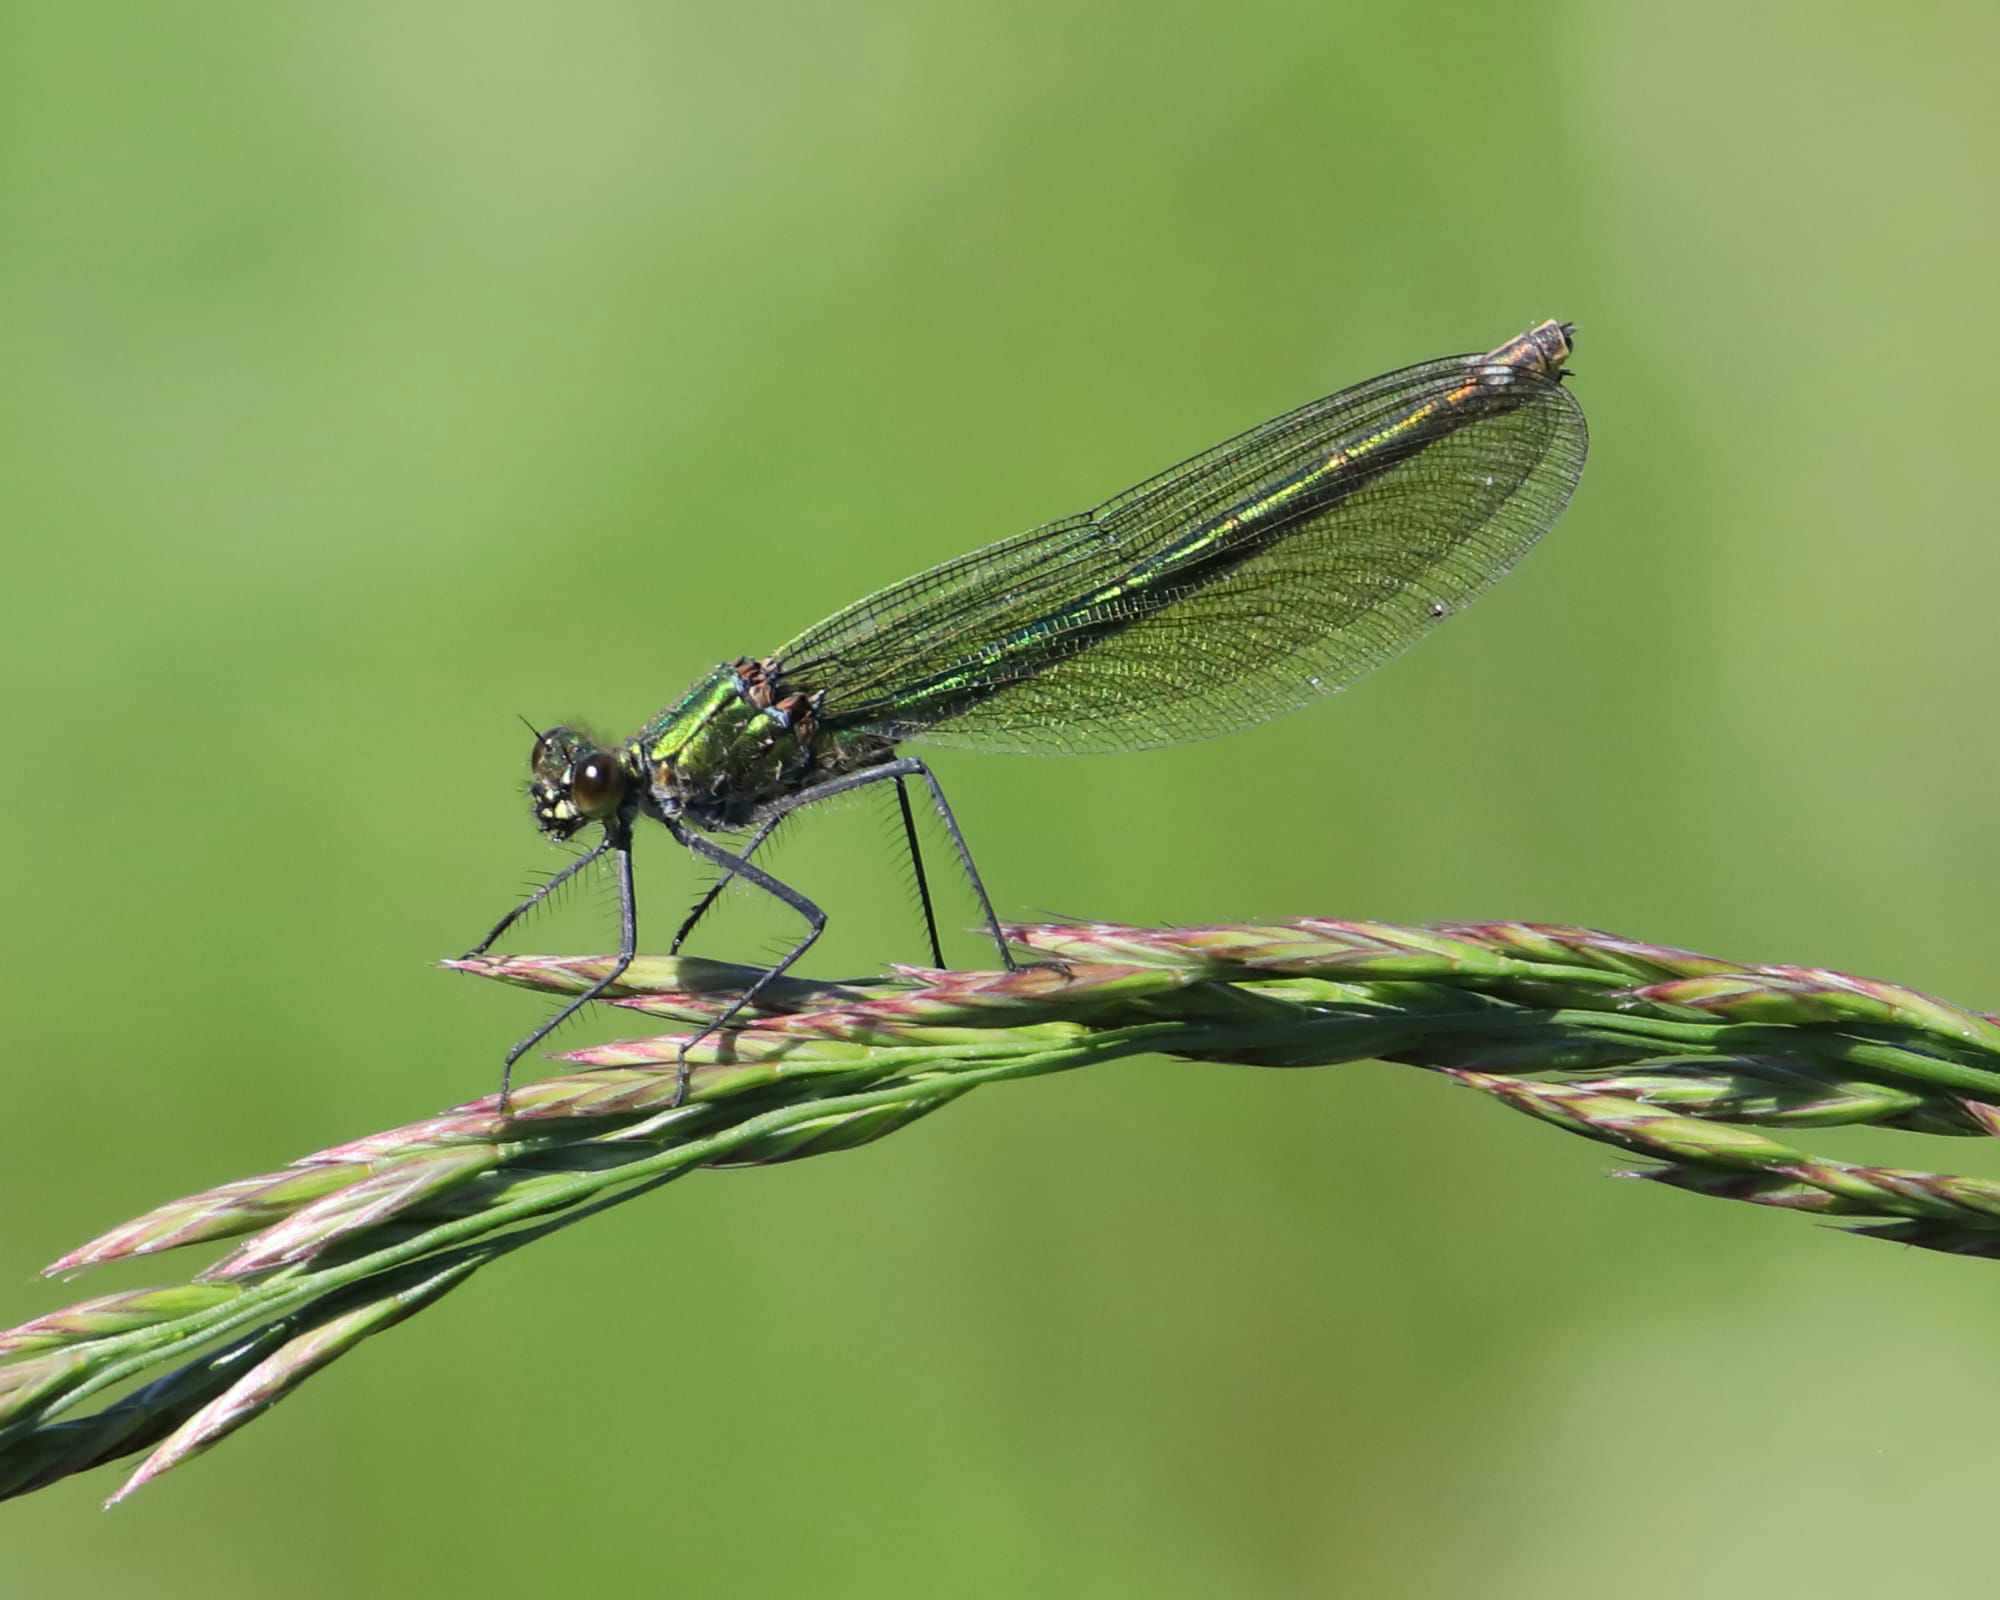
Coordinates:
[1259,575]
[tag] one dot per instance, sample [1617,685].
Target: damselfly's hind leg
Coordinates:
[917,867]
[898,770]
[738,865]
[714,891]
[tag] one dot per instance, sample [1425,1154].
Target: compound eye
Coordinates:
[597,784]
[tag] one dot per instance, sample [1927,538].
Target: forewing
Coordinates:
[992,651]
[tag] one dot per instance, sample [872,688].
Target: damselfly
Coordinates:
[1253,578]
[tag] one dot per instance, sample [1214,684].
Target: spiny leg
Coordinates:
[707,901]
[910,767]
[737,866]
[917,866]
[714,892]
[965,860]
[539,896]
[617,838]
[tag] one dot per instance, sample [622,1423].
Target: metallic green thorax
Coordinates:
[738,740]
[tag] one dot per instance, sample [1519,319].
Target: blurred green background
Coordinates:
[374,373]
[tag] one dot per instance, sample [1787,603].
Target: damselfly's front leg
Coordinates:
[618,840]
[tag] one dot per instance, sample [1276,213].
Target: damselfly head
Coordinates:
[573,781]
